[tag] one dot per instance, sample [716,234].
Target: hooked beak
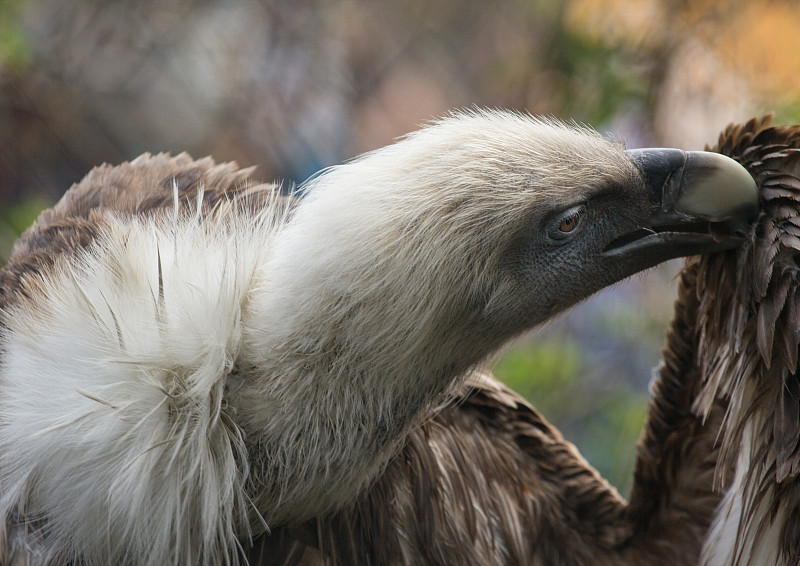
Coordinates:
[706,203]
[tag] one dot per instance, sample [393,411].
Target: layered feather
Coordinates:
[749,327]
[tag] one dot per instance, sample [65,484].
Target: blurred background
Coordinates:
[295,85]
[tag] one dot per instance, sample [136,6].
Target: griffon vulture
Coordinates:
[189,359]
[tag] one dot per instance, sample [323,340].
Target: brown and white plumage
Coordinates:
[189,358]
[487,480]
[748,330]
[508,489]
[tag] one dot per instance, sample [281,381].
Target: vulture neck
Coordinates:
[362,318]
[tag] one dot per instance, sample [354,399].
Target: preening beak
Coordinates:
[707,202]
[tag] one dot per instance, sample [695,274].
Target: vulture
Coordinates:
[198,369]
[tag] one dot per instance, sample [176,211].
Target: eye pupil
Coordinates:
[568,224]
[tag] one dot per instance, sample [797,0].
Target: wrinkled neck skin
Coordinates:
[351,332]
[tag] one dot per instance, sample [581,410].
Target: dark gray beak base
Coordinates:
[707,203]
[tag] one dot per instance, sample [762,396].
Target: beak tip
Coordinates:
[716,187]
[704,203]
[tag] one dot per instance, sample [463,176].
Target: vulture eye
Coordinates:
[567,223]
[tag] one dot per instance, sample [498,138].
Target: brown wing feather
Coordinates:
[750,332]
[677,455]
[146,185]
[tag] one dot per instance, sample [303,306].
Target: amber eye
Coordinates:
[566,224]
[569,223]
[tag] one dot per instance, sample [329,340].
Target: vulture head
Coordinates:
[486,224]
[186,358]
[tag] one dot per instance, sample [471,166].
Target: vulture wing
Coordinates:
[748,313]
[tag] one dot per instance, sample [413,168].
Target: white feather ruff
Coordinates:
[112,384]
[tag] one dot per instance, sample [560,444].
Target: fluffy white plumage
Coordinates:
[113,384]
